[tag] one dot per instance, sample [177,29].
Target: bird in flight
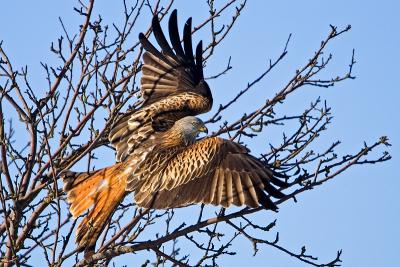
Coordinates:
[158,155]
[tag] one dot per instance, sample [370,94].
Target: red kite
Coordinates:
[159,158]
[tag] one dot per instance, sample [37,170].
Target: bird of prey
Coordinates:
[158,155]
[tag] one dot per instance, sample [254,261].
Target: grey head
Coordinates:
[189,127]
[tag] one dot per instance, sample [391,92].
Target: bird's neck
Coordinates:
[173,138]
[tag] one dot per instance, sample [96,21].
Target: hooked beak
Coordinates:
[203,129]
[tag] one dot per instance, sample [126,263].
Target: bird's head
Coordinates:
[189,127]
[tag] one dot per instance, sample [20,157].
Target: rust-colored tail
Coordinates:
[104,189]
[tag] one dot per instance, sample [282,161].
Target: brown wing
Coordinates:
[172,71]
[172,87]
[212,171]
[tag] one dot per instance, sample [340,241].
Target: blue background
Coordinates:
[358,211]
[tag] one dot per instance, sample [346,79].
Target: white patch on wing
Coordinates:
[133,124]
[129,170]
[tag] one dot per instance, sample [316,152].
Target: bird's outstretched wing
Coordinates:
[173,70]
[172,87]
[211,171]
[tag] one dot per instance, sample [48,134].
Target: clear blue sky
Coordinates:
[359,211]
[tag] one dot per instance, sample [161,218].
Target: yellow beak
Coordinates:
[203,129]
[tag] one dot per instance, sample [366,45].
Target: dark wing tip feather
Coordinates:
[279,183]
[272,190]
[187,41]
[145,43]
[174,13]
[280,175]
[265,201]
[199,60]
[174,36]
[160,37]
[150,47]
[279,179]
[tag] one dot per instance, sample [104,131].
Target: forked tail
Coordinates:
[104,189]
